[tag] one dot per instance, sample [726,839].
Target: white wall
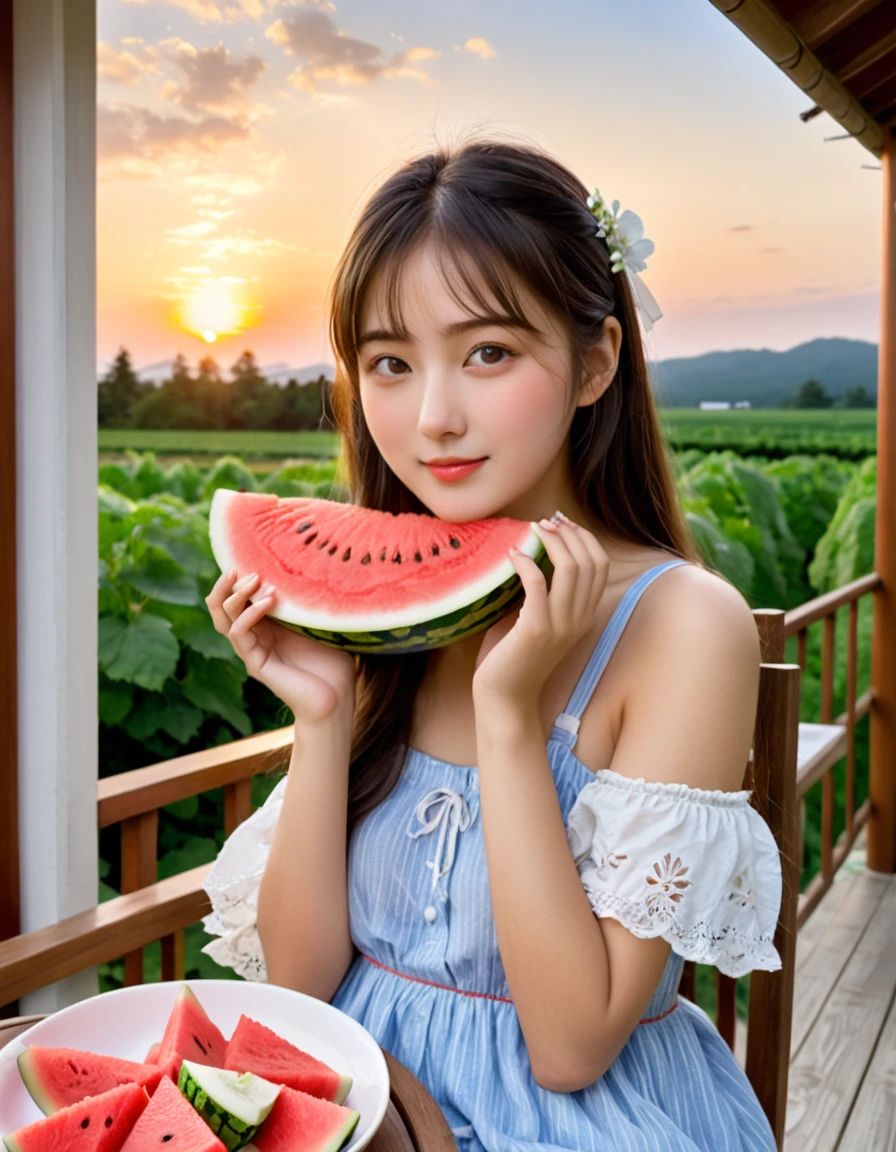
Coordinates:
[55,203]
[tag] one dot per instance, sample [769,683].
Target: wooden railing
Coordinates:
[148,911]
[796,623]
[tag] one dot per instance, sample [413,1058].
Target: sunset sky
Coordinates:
[237,140]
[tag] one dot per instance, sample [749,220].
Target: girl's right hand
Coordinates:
[312,679]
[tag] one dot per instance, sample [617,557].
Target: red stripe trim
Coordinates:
[486,995]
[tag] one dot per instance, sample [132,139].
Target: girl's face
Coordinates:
[463,385]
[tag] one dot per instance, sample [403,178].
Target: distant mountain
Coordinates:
[765,377]
[283,373]
[761,376]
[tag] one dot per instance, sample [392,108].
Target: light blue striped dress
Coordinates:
[429,984]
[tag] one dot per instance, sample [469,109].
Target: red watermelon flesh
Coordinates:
[58,1077]
[170,1123]
[189,1035]
[367,580]
[152,1056]
[95,1124]
[254,1048]
[302,1123]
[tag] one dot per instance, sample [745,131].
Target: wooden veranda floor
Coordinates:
[842,1094]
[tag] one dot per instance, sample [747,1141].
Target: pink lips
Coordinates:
[454,471]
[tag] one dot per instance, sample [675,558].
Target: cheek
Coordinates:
[530,412]
[387,418]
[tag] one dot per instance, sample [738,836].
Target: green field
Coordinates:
[772,432]
[188,443]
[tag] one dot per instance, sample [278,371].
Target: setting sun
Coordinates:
[213,311]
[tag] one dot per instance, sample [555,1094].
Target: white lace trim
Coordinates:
[698,867]
[731,950]
[232,887]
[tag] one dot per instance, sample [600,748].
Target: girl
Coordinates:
[512,843]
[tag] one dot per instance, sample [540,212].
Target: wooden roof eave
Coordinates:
[760,22]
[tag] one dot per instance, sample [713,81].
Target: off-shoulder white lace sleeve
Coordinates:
[232,887]
[698,867]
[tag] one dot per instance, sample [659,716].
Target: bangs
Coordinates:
[478,278]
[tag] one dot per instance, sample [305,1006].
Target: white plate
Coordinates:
[127,1021]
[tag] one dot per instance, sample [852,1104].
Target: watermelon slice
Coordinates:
[170,1123]
[232,1104]
[152,1056]
[189,1035]
[95,1124]
[369,581]
[58,1077]
[254,1048]
[302,1123]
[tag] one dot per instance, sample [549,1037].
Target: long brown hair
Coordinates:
[499,214]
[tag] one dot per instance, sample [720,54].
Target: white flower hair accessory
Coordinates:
[629,249]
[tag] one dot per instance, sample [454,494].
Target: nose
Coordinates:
[441,408]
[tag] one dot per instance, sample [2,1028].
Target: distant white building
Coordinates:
[722,405]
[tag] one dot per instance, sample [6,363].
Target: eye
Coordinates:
[492,355]
[392,362]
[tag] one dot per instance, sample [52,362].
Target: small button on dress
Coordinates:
[699,868]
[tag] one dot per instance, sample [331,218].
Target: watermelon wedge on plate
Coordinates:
[58,1077]
[302,1123]
[170,1123]
[369,581]
[189,1035]
[255,1048]
[95,1124]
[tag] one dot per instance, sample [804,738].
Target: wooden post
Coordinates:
[9,750]
[882,822]
[54,110]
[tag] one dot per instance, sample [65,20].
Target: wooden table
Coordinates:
[413,1121]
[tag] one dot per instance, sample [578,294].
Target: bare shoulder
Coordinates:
[691,682]
[694,606]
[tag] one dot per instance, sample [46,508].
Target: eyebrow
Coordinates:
[448,332]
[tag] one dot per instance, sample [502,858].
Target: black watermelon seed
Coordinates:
[313,536]
[453,542]
[85,1123]
[165,1139]
[348,554]
[383,554]
[435,549]
[202,1047]
[396,559]
[108,1121]
[333,549]
[365,559]
[323,544]
[304,527]
[417,556]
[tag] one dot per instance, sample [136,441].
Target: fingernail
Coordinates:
[566,520]
[268,590]
[548,524]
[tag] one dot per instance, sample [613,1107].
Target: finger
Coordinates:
[581,608]
[563,582]
[534,609]
[242,590]
[222,588]
[251,615]
[600,561]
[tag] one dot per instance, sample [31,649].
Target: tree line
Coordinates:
[206,400]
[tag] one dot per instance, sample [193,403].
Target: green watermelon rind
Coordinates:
[230,1129]
[34,1084]
[469,613]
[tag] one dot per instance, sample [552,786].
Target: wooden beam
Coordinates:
[882,784]
[761,22]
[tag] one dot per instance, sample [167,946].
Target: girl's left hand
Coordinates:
[519,652]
